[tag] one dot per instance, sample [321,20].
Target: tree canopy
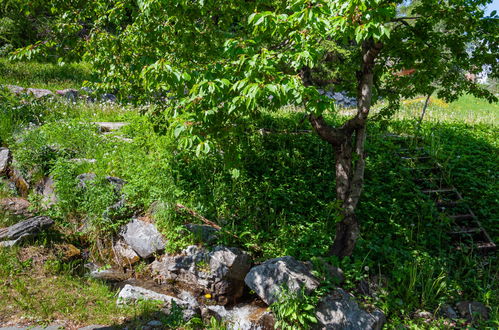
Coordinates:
[212,65]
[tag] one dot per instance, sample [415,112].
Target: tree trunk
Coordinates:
[348,142]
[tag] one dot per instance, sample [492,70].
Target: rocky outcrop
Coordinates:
[143,238]
[339,311]
[268,279]
[132,294]
[11,235]
[219,272]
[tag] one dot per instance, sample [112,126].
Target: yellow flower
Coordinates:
[207,296]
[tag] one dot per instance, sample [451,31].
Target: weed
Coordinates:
[294,310]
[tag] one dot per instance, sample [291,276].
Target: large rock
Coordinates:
[132,294]
[219,272]
[38,92]
[339,311]
[5,159]
[25,228]
[70,94]
[473,310]
[268,279]
[143,238]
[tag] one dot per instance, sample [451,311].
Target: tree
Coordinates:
[215,65]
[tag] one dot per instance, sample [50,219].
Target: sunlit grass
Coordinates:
[43,75]
[468,109]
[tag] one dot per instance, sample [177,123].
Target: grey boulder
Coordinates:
[339,311]
[143,237]
[473,310]
[219,272]
[268,279]
[70,94]
[131,294]
[39,93]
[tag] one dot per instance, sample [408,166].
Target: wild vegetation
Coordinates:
[202,132]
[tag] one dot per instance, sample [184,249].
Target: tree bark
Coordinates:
[348,142]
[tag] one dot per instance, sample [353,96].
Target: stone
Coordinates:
[109,126]
[16,206]
[108,97]
[117,183]
[106,274]
[132,294]
[143,237]
[70,94]
[20,182]
[447,312]
[154,323]
[67,251]
[5,159]
[124,254]
[84,179]
[203,233]
[46,188]
[423,315]
[268,279]
[240,317]
[84,160]
[26,228]
[219,272]
[15,89]
[339,311]
[472,310]
[38,92]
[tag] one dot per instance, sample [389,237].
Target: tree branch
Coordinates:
[326,132]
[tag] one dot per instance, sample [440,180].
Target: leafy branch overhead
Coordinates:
[212,67]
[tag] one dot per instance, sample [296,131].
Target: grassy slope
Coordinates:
[277,196]
[43,75]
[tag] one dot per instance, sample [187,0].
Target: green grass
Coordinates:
[467,109]
[43,75]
